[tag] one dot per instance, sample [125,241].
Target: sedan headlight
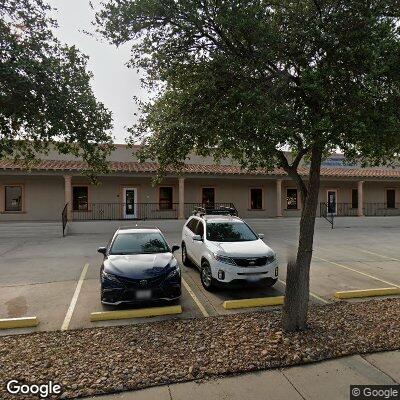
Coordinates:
[174,273]
[109,277]
[223,259]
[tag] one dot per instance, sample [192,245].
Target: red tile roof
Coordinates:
[210,169]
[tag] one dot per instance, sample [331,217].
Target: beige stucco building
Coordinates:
[128,192]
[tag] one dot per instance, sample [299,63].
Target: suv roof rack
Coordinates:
[201,211]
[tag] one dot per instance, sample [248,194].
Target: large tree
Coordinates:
[46,100]
[251,79]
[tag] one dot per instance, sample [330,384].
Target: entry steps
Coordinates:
[10,229]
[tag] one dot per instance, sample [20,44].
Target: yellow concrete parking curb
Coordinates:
[135,313]
[350,294]
[24,322]
[249,303]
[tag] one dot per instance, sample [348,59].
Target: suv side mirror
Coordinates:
[197,238]
[102,250]
[174,248]
[261,235]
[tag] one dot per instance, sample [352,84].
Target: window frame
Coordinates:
[262,198]
[207,187]
[297,199]
[386,198]
[190,222]
[4,207]
[197,232]
[351,193]
[88,198]
[161,206]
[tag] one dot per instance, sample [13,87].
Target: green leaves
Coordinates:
[45,94]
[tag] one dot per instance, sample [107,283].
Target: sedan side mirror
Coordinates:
[102,250]
[261,235]
[174,248]
[197,238]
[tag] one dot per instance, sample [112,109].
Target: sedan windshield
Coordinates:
[229,232]
[139,243]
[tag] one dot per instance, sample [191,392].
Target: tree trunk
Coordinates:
[298,272]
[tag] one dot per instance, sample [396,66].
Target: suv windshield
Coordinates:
[139,243]
[229,232]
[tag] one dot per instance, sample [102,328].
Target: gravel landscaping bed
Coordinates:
[104,360]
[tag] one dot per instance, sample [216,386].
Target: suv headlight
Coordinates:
[223,259]
[271,258]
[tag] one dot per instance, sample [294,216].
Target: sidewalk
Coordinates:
[329,380]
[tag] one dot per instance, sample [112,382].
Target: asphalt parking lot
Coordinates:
[57,279]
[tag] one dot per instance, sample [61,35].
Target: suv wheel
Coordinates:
[185,259]
[207,280]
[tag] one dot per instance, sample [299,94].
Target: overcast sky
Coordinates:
[114,84]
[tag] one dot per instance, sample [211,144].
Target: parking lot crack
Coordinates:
[364,356]
[36,283]
[16,247]
[292,384]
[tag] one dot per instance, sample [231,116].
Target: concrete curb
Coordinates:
[137,313]
[250,303]
[352,294]
[24,322]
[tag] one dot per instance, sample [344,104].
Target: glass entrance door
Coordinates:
[130,203]
[331,199]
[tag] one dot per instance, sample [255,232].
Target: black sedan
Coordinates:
[139,266]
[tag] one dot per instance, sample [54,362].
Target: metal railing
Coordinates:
[381,209]
[122,211]
[369,210]
[323,210]
[140,211]
[64,218]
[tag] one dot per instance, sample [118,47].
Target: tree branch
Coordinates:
[318,7]
[292,171]
[302,152]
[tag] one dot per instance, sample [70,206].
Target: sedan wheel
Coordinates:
[206,277]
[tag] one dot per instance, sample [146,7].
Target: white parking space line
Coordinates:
[356,271]
[311,293]
[195,298]
[379,255]
[72,305]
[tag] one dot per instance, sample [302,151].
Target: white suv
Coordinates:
[227,250]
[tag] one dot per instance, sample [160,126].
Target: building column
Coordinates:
[68,195]
[279,197]
[360,212]
[181,205]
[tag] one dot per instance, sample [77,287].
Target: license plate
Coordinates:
[253,279]
[143,294]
